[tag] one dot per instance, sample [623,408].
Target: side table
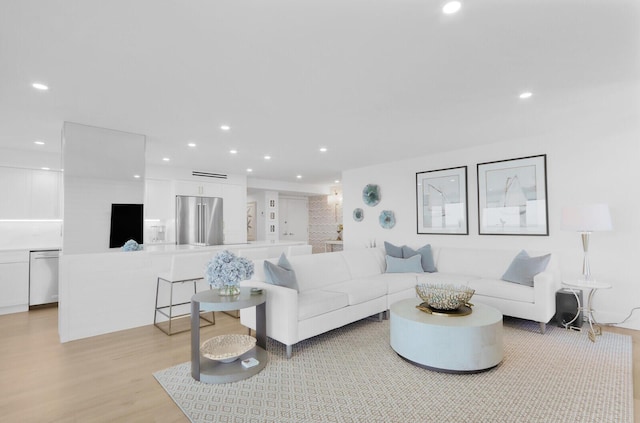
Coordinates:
[591,287]
[211,371]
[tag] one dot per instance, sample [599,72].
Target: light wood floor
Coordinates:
[109,378]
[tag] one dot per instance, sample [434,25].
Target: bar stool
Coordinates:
[185,268]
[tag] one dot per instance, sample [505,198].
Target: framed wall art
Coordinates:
[441,199]
[512,197]
[252,222]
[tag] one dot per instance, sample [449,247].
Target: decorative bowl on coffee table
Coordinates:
[445,296]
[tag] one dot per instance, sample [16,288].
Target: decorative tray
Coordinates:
[227,348]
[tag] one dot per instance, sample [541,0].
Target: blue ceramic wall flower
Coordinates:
[358,215]
[387,219]
[371,195]
[131,245]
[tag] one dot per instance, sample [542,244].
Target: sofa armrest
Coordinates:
[544,288]
[282,312]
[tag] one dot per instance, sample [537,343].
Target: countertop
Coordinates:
[169,248]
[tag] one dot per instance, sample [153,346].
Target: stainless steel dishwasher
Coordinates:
[43,277]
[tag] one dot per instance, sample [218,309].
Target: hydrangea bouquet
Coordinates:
[226,270]
[131,245]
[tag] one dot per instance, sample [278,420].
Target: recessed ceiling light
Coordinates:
[267,157]
[526,94]
[192,144]
[233,151]
[45,168]
[39,86]
[249,170]
[323,149]
[225,127]
[337,181]
[39,142]
[136,176]
[165,159]
[299,176]
[451,7]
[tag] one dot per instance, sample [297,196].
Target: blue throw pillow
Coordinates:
[408,265]
[393,250]
[523,268]
[280,274]
[428,265]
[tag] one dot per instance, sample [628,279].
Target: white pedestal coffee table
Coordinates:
[455,344]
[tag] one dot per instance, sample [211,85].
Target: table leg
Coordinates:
[195,340]
[594,327]
[568,324]
[261,325]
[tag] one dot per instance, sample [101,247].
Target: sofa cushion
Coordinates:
[314,271]
[393,250]
[364,262]
[408,265]
[280,274]
[428,265]
[315,302]
[397,282]
[523,268]
[500,289]
[445,278]
[360,290]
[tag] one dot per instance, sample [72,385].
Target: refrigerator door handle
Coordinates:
[203,223]
[200,223]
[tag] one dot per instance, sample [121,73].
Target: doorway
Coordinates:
[294,218]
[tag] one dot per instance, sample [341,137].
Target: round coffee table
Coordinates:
[455,344]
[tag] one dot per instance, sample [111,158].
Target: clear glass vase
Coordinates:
[229,290]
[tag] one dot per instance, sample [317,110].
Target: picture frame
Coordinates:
[441,201]
[252,221]
[512,197]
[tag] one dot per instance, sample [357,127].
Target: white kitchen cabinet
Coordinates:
[14,191]
[14,281]
[202,189]
[234,210]
[45,195]
[29,194]
[159,200]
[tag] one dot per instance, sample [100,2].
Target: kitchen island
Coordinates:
[107,292]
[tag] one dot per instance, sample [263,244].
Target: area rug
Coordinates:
[351,374]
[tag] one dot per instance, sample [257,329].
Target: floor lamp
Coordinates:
[586,219]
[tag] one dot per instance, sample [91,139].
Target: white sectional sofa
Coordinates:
[335,289]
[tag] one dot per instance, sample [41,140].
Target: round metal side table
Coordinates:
[591,287]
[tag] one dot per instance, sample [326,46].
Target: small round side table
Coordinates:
[211,371]
[591,287]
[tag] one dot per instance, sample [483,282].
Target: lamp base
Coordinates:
[586,268]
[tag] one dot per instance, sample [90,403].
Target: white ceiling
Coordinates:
[371,80]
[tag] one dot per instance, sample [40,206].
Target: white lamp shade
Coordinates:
[589,218]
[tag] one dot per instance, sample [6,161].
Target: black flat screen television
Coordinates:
[126,224]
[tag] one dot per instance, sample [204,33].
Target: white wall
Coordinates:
[584,165]
[99,167]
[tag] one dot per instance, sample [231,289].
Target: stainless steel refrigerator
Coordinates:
[199,220]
